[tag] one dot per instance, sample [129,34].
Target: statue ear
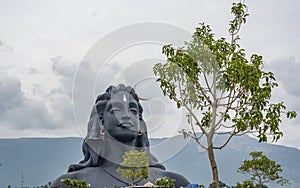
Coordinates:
[95,125]
[100,117]
[95,135]
[100,106]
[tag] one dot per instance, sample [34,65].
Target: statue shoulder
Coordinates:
[93,175]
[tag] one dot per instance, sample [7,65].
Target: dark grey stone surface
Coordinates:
[116,126]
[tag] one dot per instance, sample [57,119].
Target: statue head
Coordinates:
[120,113]
[116,114]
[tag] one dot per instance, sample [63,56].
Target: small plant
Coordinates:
[221,184]
[135,165]
[246,184]
[165,182]
[75,183]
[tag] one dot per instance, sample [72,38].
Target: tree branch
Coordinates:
[226,142]
[193,115]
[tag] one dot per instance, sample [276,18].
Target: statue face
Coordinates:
[121,117]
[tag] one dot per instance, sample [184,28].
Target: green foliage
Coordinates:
[48,185]
[221,184]
[165,182]
[237,85]
[262,170]
[220,88]
[246,184]
[135,165]
[72,183]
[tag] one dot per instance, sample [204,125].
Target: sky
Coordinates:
[57,56]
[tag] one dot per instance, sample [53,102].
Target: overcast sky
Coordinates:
[57,56]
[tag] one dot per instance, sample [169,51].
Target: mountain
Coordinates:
[43,159]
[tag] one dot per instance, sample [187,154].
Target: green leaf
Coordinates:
[135,165]
[262,169]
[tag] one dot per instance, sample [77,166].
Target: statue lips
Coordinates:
[126,124]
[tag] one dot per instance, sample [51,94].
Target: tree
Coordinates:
[165,182]
[72,183]
[222,90]
[221,184]
[49,184]
[135,165]
[262,170]
[245,184]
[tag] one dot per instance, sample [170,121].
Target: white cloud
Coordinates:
[42,44]
[286,72]
[11,95]
[20,112]
[65,71]
[4,47]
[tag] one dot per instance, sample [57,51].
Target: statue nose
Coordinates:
[125,115]
[126,118]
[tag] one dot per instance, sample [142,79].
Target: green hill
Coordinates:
[43,159]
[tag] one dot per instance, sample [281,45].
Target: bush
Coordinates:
[165,182]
